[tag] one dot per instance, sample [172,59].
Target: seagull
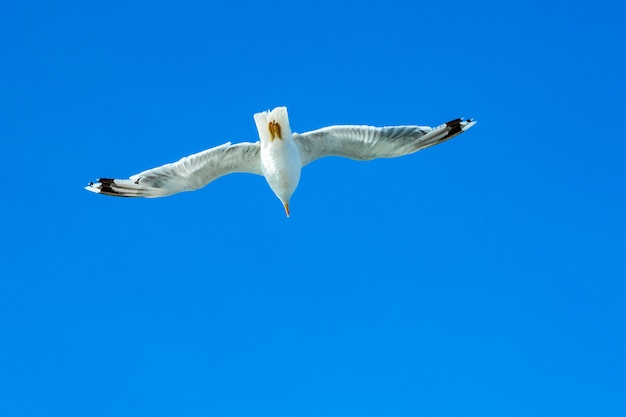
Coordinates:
[279,156]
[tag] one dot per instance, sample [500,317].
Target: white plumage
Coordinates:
[279,155]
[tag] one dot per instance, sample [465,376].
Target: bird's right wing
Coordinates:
[190,173]
[368,142]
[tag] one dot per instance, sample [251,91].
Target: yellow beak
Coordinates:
[286,208]
[274,129]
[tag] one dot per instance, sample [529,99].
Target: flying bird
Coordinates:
[279,156]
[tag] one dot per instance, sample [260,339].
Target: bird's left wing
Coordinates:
[368,142]
[190,173]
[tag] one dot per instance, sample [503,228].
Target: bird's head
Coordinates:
[273,125]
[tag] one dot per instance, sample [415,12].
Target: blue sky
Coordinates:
[484,276]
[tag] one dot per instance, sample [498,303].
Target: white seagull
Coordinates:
[279,156]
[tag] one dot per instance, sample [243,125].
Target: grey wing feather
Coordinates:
[189,173]
[368,142]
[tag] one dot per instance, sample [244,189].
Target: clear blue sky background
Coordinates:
[484,276]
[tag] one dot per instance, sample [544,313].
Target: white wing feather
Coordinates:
[190,173]
[368,142]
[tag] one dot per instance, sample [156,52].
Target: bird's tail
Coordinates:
[123,188]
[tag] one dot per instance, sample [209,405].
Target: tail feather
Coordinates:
[123,188]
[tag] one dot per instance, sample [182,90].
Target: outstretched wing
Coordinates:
[368,142]
[190,173]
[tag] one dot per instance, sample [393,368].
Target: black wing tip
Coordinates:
[455,126]
[122,188]
[104,186]
[459,125]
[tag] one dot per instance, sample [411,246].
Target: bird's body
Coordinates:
[279,155]
[280,158]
